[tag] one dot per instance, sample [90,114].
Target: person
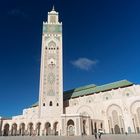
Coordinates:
[99,134]
[95,135]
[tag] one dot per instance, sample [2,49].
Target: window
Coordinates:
[57,104]
[106,98]
[50,103]
[43,104]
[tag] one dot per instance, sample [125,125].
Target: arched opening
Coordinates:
[117,129]
[116,122]
[22,129]
[135,111]
[30,129]
[38,126]
[14,129]
[70,128]
[6,130]
[50,103]
[55,128]
[48,128]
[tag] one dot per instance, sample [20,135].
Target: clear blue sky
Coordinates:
[101,40]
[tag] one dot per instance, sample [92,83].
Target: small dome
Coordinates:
[53,11]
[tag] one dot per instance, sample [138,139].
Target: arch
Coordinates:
[84,113]
[133,106]
[22,129]
[70,128]
[115,121]
[55,128]
[6,130]
[117,129]
[38,127]
[50,104]
[47,128]
[30,129]
[52,44]
[14,129]
[114,106]
[85,108]
[135,111]
[51,47]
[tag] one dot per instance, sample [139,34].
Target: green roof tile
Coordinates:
[91,89]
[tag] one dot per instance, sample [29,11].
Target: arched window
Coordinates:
[51,103]
[57,104]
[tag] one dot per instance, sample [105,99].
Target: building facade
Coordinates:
[112,108]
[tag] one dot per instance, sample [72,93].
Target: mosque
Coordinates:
[111,108]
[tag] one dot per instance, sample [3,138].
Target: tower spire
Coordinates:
[53,8]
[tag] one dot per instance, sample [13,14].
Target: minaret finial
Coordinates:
[53,8]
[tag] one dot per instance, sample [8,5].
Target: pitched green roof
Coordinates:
[96,89]
[91,89]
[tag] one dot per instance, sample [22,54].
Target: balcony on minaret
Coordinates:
[53,17]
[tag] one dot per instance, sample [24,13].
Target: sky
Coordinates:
[101,42]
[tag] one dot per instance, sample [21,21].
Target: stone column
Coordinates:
[18,129]
[2,129]
[63,128]
[106,125]
[10,129]
[78,126]
[42,128]
[26,129]
[89,126]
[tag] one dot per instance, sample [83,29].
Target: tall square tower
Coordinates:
[51,73]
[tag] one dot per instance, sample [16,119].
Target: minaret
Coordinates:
[51,73]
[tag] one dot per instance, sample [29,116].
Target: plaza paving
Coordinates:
[104,137]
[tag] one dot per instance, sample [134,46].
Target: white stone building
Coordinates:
[112,108]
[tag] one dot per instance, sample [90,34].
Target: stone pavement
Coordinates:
[104,137]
